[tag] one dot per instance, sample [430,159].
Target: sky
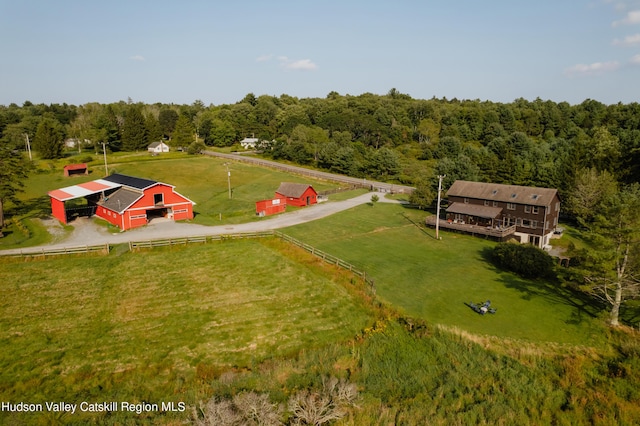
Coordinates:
[76,52]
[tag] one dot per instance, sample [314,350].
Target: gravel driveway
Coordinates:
[88,233]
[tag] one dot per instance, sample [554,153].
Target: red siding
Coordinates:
[57,209]
[268,207]
[110,216]
[302,200]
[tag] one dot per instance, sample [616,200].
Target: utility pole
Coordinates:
[228,179]
[104,151]
[26,135]
[438,205]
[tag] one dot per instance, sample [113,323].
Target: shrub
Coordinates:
[524,259]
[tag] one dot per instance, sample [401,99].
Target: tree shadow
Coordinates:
[548,289]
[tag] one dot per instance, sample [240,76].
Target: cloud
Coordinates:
[298,64]
[137,58]
[635,60]
[596,68]
[631,40]
[290,64]
[632,18]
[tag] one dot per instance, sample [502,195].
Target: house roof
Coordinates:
[506,193]
[156,144]
[475,210]
[83,189]
[120,200]
[249,140]
[130,181]
[295,190]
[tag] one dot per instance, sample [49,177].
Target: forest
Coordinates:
[390,137]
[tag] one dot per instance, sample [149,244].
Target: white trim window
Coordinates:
[527,209]
[511,206]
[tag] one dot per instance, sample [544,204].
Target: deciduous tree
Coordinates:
[614,265]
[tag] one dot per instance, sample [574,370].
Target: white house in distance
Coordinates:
[249,143]
[157,147]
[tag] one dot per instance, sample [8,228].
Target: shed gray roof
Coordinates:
[506,193]
[289,189]
[121,199]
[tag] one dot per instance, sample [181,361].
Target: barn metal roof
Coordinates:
[130,181]
[83,189]
[121,200]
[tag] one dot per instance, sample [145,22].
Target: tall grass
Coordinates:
[151,326]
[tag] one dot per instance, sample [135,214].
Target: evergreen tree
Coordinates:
[134,131]
[183,133]
[48,140]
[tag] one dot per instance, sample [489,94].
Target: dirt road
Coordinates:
[88,233]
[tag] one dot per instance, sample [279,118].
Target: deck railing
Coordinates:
[488,231]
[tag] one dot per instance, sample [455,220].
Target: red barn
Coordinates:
[124,201]
[297,194]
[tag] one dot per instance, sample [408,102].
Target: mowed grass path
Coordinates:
[434,279]
[69,326]
[204,180]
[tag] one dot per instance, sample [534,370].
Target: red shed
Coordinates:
[76,169]
[297,194]
[269,207]
[124,201]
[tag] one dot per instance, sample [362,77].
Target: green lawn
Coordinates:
[201,179]
[434,279]
[137,325]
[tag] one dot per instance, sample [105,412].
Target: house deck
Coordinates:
[501,234]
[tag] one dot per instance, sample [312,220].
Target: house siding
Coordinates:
[523,215]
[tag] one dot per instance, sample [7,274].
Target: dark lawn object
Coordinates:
[482,308]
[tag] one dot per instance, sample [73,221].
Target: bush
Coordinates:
[524,259]
[196,148]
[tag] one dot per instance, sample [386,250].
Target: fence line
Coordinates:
[168,242]
[44,252]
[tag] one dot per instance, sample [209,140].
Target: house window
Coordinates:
[486,202]
[526,223]
[466,200]
[546,225]
[495,204]
[534,224]
[535,210]
[555,221]
[518,223]
[557,206]
[158,198]
[527,209]
[511,206]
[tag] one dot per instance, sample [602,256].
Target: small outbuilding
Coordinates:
[269,207]
[76,169]
[297,194]
[158,147]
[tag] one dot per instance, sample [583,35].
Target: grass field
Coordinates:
[201,179]
[142,326]
[434,279]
